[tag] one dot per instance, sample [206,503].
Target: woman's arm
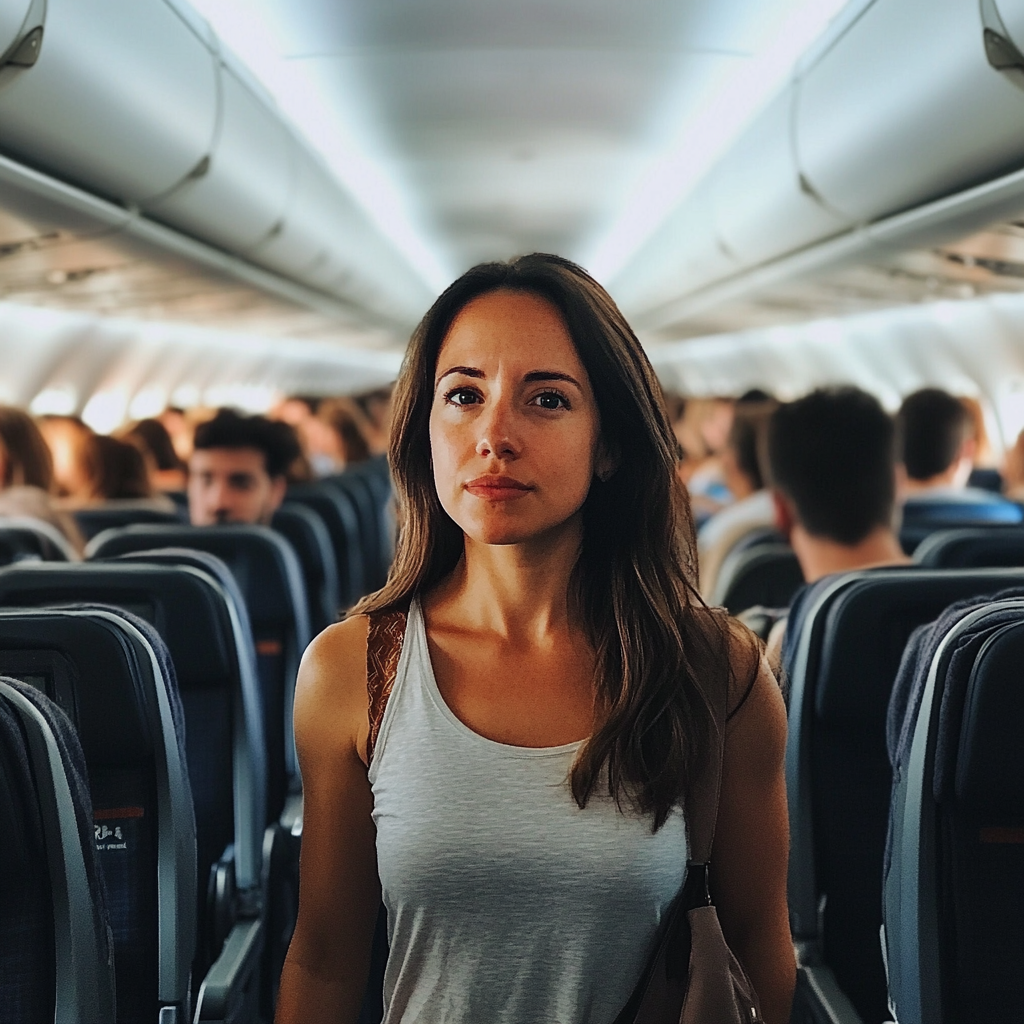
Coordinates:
[750,855]
[325,972]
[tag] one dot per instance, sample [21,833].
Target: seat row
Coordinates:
[170,656]
[906,793]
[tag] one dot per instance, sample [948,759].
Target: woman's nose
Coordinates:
[497,433]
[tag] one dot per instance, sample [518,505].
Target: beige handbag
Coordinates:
[693,977]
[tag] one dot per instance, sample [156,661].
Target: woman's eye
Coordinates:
[551,400]
[462,396]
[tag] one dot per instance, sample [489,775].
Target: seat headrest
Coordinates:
[868,625]
[989,753]
[182,605]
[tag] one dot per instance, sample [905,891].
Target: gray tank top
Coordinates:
[506,903]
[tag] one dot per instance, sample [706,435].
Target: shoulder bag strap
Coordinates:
[383,649]
[703,794]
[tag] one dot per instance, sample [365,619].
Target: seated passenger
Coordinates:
[121,475]
[753,507]
[376,409]
[166,471]
[74,467]
[937,446]
[26,475]
[237,472]
[831,456]
[347,432]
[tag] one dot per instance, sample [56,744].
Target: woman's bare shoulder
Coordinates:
[330,689]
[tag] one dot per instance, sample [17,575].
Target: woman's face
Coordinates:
[514,427]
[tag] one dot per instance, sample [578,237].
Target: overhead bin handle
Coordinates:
[1000,49]
[25,49]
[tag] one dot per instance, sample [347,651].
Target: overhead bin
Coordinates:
[905,108]
[12,18]
[106,109]
[304,238]
[763,207]
[237,195]
[684,254]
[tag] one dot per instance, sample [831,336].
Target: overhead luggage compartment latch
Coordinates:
[25,49]
[1002,52]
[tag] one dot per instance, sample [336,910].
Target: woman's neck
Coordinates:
[515,590]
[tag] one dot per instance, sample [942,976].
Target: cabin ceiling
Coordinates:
[498,129]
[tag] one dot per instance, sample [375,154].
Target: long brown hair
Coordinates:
[28,461]
[659,653]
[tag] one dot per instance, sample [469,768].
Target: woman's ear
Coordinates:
[607,462]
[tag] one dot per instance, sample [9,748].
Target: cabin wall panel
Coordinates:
[122,101]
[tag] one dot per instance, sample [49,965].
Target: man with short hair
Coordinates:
[238,467]
[831,456]
[936,442]
[832,464]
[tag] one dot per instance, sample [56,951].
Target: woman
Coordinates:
[27,476]
[520,808]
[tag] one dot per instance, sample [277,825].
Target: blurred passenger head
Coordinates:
[121,470]
[376,408]
[25,459]
[238,469]
[935,438]
[831,458]
[75,467]
[348,428]
[152,436]
[745,452]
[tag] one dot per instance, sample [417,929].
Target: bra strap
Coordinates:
[383,649]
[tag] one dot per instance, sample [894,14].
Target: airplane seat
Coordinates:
[361,492]
[338,512]
[33,537]
[92,521]
[765,574]
[972,547]
[270,578]
[220,696]
[844,658]
[954,884]
[56,960]
[376,473]
[308,535]
[104,669]
[922,517]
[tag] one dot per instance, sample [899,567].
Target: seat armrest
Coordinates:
[230,990]
[291,815]
[819,999]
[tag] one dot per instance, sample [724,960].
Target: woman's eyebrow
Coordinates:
[539,375]
[466,371]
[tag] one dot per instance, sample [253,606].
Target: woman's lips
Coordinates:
[497,488]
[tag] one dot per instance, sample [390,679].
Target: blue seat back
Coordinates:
[92,521]
[270,579]
[56,959]
[954,888]
[972,547]
[844,661]
[110,673]
[219,691]
[339,515]
[305,531]
[924,517]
